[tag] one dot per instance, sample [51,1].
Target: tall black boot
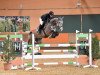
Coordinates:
[40,29]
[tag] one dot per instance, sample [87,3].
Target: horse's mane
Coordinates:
[54,19]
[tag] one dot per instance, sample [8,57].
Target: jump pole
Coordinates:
[77,47]
[33,47]
[90,51]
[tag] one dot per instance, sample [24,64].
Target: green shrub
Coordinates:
[95,48]
[8,50]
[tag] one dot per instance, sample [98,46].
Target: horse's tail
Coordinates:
[30,33]
[29,38]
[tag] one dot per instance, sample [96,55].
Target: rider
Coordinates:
[44,19]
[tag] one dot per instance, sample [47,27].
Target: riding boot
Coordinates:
[40,29]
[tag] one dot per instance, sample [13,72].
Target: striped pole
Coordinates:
[52,63]
[58,45]
[53,56]
[73,51]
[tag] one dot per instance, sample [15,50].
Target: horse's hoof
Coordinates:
[38,53]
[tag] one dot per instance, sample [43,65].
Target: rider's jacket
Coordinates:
[46,17]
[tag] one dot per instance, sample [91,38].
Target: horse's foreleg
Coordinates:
[38,40]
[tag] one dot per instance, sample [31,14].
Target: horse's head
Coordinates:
[56,26]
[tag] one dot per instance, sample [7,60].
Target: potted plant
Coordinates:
[8,53]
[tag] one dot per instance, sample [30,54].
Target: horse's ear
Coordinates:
[62,17]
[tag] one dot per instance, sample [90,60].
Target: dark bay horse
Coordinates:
[51,30]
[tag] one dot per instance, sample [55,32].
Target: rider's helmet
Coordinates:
[51,13]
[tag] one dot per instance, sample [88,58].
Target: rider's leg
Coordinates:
[41,22]
[41,26]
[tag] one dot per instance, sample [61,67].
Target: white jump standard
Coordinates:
[90,51]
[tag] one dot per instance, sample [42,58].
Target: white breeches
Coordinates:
[41,22]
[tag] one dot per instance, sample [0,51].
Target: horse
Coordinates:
[51,30]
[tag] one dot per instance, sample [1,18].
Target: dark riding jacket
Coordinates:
[46,17]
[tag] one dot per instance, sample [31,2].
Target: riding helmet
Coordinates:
[51,13]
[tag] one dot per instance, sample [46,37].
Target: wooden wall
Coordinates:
[35,8]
